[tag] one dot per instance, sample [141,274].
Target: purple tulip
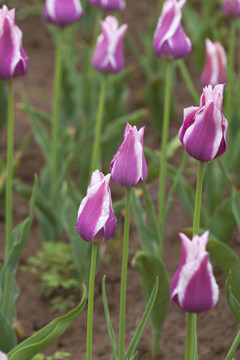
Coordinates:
[96,220]
[170,41]
[108,53]
[214,71]
[63,12]
[231,8]
[204,129]
[193,286]
[3,356]
[128,166]
[109,4]
[13,59]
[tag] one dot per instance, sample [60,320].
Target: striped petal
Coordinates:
[63,12]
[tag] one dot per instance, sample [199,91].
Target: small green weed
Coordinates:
[57,355]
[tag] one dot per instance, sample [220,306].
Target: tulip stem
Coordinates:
[233,347]
[198,199]
[188,81]
[162,174]
[91,301]
[124,277]
[10,149]
[191,336]
[98,127]
[55,116]
[231,58]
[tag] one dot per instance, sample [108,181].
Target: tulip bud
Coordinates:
[3,356]
[128,166]
[214,71]
[13,59]
[109,4]
[62,12]
[170,41]
[108,53]
[193,286]
[231,8]
[96,220]
[204,129]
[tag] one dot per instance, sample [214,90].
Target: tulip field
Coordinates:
[119,179]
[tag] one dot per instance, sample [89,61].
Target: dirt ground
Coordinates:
[216,329]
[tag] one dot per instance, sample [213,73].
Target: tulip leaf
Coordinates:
[49,333]
[108,319]
[232,301]
[148,238]
[236,207]
[150,267]
[8,339]
[141,326]
[134,357]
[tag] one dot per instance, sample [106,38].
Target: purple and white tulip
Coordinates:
[128,166]
[109,4]
[3,356]
[193,286]
[13,59]
[170,41]
[108,53]
[214,71]
[204,129]
[231,8]
[62,12]
[96,220]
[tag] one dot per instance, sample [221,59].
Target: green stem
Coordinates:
[191,336]
[124,278]
[233,347]
[162,174]
[10,150]
[98,127]
[91,301]
[231,58]
[198,199]
[155,345]
[188,81]
[55,116]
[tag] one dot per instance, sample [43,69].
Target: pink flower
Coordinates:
[204,129]
[231,8]
[170,41]
[214,71]
[108,53]
[3,356]
[96,220]
[63,12]
[109,4]
[193,286]
[13,59]
[128,166]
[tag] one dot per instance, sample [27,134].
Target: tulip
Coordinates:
[96,220]
[193,286]
[231,8]
[170,41]
[214,71]
[63,12]
[108,53]
[128,166]
[3,356]
[13,59]
[109,4]
[204,129]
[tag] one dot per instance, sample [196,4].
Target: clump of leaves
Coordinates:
[57,355]
[55,267]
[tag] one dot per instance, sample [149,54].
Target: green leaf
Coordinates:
[44,337]
[236,207]
[147,236]
[108,319]
[8,339]
[141,326]
[150,267]
[232,301]
[134,357]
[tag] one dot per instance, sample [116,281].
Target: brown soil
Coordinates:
[216,329]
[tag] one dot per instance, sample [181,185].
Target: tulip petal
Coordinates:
[64,12]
